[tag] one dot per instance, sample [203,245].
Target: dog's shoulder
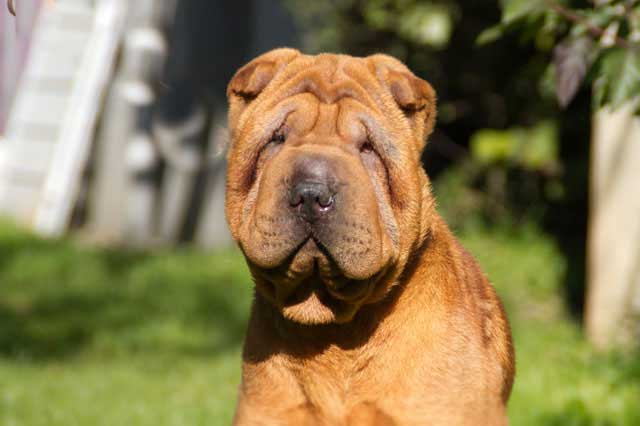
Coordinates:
[496,332]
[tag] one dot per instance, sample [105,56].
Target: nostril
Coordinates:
[325,201]
[311,200]
[295,199]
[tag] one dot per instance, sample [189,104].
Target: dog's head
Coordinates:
[326,194]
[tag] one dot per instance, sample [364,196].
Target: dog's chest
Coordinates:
[382,384]
[333,374]
[339,380]
[338,385]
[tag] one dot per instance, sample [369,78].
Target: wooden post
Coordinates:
[130,100]
[180,145]
[613,299]
[121,116]
[142,165]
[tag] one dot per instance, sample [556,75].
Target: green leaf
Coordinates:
[545,41]
[552,25]
[490,34]
[513,10]
[540,147]
[626,84]
[534,148]
[599,92]
[599,16]
[618,78]
[493,146]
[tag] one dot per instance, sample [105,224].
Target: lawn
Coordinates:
[91,336]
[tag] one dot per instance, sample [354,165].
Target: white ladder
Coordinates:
[51,123]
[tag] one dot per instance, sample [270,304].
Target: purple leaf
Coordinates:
[571,60]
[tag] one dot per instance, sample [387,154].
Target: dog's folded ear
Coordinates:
[415,97]
[250,80]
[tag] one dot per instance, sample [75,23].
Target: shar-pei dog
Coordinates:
[367,309]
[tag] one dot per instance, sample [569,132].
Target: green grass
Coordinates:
[561,380]
[105,337]
[100,337]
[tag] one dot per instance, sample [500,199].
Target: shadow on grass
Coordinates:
[577,413]
[574,414]
[58,299]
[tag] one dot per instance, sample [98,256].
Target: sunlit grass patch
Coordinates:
[91,336]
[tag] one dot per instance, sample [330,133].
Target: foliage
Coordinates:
[533,149]
[97,337]
[424,23]
[598,41]
[498,121]
[508,179]
[478,87]
[501,131]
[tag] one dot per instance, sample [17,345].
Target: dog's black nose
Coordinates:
[311,199]
[311,192]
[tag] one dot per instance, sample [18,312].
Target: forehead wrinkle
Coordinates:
[334,74]
[326,120]
[304,74]
[328,88]
[317,117]
[328,93]
[267,119]
[352,81]
[366,82]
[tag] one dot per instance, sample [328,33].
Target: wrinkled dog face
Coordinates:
[325,193]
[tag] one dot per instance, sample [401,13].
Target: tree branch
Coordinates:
[595,30]
[11,7]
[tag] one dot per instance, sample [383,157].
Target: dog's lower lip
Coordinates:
[304,290]
[349,290]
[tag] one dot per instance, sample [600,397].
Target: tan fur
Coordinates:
[377,316]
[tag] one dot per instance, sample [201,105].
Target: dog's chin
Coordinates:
[312,312]
[310,290]
[312,305]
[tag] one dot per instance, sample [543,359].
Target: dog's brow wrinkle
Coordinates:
[380,137]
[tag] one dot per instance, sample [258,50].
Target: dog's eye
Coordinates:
[366,148]
[270,149]
[277,138]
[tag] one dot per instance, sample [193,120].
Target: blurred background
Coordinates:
[122,298]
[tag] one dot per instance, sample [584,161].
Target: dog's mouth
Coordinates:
[310,303]
[316,302]
[311,290]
